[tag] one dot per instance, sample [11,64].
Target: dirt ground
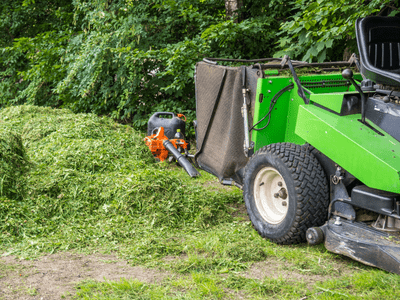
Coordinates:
[54,276]
[277,269]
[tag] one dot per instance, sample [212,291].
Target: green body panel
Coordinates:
[294,102]
[282,123]
[331,101]
[284,115]
[271,72]
[370,157]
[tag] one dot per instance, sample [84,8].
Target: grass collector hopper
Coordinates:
[317,156]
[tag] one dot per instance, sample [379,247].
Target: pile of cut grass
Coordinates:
[93,181]
[14,165]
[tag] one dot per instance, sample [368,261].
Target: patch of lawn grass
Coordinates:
[197,286]
[374,284]
[234,246]
[123,289]
[193,286]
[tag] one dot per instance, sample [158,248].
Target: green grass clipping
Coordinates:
[69,181]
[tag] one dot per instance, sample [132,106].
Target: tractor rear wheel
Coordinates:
[285,192]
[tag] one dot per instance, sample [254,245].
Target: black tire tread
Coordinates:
[311,188]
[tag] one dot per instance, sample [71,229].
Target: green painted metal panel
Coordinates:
[275,132]
[373,159]
[284,115]
[291,119]
[332,101]
[271,72]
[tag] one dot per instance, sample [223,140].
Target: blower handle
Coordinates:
[158,114]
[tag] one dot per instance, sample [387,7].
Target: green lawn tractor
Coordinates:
[317,155]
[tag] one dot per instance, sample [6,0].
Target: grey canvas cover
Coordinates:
[220,130]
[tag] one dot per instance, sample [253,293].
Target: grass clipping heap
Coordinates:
[85,180]
[14,165]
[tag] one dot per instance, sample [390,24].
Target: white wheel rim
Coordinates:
[271,195]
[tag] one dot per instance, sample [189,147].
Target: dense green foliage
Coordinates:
[128,58]
[322,30]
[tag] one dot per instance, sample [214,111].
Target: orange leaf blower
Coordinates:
[160,145]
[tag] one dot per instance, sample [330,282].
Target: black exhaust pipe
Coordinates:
[181,159]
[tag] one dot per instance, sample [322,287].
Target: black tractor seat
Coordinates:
[378,40]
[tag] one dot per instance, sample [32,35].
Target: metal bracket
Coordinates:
[339,175]
[246,145]
[338,205]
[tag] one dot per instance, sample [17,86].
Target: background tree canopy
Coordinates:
[129,58]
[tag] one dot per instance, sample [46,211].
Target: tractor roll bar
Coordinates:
[296,63]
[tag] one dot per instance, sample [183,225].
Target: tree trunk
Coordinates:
[231,7]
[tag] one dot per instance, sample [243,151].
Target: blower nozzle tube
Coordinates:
[181,159]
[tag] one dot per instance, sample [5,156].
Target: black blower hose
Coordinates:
[181,159]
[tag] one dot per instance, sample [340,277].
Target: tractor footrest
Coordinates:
[363,243]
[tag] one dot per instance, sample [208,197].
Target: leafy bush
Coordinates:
[322,30]
[126,59]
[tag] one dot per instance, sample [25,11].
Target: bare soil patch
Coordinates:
[240,212]
[54,276]
[280,269]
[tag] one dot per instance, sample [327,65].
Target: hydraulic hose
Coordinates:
[271,107]
[181,159]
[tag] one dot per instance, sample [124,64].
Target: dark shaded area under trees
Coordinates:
[128,59]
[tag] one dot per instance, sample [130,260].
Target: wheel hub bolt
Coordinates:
[338,222]
[279,183]
[282,193]
[276,195]
[284,203]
